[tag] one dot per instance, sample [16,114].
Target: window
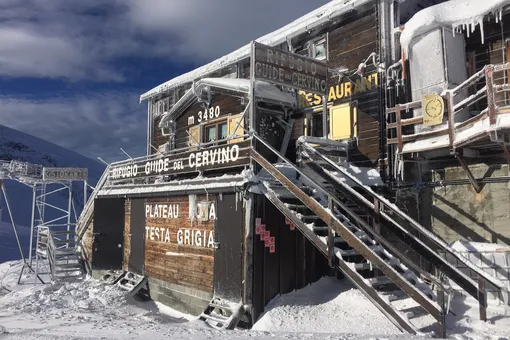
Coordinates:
[216,131]
[343,122]
[319,50]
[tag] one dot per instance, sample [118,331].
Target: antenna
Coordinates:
[102,160]
[131,158]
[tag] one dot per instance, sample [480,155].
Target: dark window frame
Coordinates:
[217,125]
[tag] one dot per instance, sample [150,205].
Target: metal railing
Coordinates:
[436,310]
[495,106]
[88,207]
[386,211]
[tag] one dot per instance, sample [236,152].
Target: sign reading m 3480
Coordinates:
[290,69]
[66,174]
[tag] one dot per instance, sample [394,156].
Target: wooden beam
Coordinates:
[506,150]
[399,128]
[471,178]
[451,120]
[491,100]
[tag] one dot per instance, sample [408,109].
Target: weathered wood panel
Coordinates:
[178,249]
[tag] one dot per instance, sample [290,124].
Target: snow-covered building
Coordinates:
[280,163]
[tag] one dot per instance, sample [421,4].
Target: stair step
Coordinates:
[297,207]
[220,306]
[216,318]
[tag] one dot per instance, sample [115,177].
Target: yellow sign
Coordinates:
[433,109]
[340,91]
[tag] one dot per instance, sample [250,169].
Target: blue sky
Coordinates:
[71,72]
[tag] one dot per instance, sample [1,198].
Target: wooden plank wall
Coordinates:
[350,43]
[185,265]
[127,237]
[229,105]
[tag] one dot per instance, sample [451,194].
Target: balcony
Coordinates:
[487,129]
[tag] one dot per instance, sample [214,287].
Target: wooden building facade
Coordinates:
[205,237]
[191,217]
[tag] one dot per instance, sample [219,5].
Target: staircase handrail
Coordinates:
[429,276]
[487,277]
[51,249]
[90,203]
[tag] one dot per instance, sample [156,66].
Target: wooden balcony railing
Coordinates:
[498,103]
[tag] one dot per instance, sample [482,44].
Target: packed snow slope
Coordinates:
[16,145]
[329,309]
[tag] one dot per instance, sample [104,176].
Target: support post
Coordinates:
[69,208]
[491,101]
[248,251]
[451,120]
[506,150]
[331,239]
[441,332]
[325,117]
[377,219]
[471,178]
[84,193]
[2,185]
[32,224]
[482,299]
[398,114]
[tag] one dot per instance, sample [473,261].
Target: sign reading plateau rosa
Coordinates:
[221,156]
[289,69]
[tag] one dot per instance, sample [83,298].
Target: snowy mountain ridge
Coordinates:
[16,145]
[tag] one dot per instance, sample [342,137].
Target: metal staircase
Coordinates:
[222,314]
[387,215]
[354,244]
[60,249]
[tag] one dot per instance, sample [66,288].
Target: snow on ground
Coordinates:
[330,306]
[328,309]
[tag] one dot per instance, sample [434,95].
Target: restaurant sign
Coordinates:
[289,69]
[210,158]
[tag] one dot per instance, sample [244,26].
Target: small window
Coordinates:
[216,131]
[319,50]
[210,133]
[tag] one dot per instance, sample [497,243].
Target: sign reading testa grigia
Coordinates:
[290,69]
[176,163]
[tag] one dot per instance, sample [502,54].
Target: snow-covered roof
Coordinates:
[191,185]
[263,90]
[307,22]
[454,13]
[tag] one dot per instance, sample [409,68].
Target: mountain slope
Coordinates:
[16,145]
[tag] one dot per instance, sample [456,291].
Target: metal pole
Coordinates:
[32,224]
[84,193]
[325,117]
[2,185]
[69,206]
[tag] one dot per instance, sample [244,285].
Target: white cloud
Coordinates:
[85,39]
[96,125]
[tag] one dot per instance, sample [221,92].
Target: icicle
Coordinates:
[501,14]
[453,30]
[481,30]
